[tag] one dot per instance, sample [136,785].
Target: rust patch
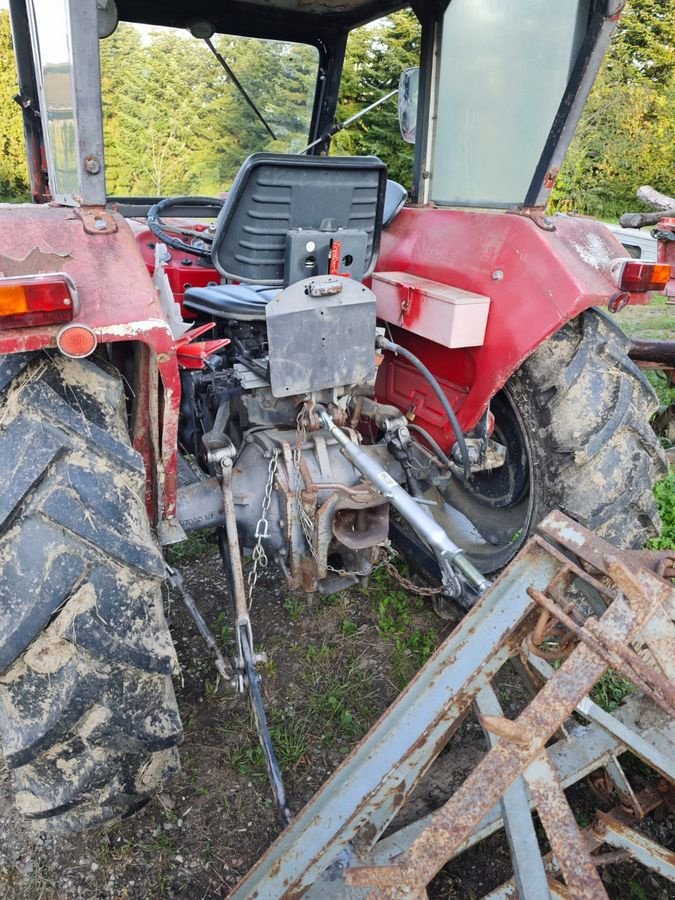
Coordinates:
[37,262]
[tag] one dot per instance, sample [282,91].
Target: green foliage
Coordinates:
[290,745]
[398,618]
[611,690]
[664,491]
[626,136]
[175,124]
[196,544]
[376,56]
[13,169]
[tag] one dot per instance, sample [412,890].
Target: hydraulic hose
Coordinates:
[384,344]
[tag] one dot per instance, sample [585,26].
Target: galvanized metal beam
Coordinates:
[332,849]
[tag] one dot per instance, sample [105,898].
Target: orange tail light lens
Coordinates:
[37,300]
[634,275]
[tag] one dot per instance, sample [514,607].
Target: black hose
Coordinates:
[156,225]
[386,344]
[433,445]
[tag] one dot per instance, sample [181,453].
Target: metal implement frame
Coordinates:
[334,848]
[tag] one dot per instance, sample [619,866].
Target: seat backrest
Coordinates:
[275,197]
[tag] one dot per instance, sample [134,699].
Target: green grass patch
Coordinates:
[197,544]
[290,745]
[664,491]
[341,694]
[399,617]
[612,690]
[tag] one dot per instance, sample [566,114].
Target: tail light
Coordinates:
[37,300]
[633,275]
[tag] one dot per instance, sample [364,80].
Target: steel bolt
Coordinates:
[92,165]
[497,275]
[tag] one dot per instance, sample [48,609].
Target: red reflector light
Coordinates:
[642,276]
[76,341]
[36,300]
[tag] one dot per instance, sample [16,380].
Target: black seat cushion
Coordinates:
[230,301]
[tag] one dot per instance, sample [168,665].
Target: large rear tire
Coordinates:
[88,718]
[575,422]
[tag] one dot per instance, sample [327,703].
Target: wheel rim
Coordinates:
[490,518]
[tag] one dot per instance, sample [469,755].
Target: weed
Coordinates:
[347,627]
[665,391]
[582,818]
[340,693]
[412,645]
[295,605]
[611,690]
[248,761]
[637,891]
[224,629]
[664,491]
[290,746]
[163,843]
[196,545]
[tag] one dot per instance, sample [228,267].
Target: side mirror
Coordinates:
[408,86]
[106,17]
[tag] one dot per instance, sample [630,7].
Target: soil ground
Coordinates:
[332,669]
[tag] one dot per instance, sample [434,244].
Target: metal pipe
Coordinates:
[423,523]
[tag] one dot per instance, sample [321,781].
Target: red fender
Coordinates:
[537,280]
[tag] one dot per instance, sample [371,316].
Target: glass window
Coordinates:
[503,71]
[55,73]
[174,122]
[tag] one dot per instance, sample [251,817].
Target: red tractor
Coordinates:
[322,353]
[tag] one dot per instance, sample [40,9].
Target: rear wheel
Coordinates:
[575,422]
[88,718]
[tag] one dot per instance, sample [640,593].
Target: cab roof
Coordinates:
[299,20]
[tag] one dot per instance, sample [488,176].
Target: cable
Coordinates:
[433,444]
[385,344]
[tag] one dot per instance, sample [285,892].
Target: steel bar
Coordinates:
[333,847]
[447,552]
[640,847]
[528,867]
[486,784]
[648,800]
[621,658]
[567,842]
[224,669]
[655,746]
[370,786]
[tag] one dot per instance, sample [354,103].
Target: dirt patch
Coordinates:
[332,669]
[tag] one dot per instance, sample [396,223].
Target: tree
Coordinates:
[376,56]
[13,166]
[626,136]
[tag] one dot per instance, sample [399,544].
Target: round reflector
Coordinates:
[76,341]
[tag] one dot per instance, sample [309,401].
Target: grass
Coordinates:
[340,693]
[654,321]
[612,690]
[290,745]
[664,491]
[401,620]
[196,545]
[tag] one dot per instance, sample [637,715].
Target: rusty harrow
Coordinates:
[567,609]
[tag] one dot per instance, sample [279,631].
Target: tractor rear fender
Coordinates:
[118,302]
[538,273]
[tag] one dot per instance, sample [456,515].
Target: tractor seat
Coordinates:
[245,302]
